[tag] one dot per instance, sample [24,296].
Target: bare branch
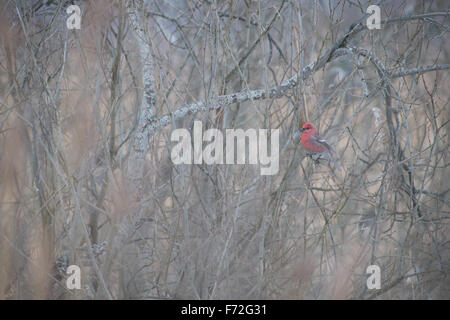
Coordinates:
[420,70]
[149,97]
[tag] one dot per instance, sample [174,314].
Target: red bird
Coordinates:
[315,145]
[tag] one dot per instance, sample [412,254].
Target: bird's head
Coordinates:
[307,127]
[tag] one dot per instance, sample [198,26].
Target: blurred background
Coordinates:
[76,188]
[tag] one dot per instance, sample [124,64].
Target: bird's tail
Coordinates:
[331,156]
[334,160]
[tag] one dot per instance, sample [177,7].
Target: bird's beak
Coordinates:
[301,130]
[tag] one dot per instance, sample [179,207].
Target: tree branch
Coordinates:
[146,111]
[420,70]
[338,49]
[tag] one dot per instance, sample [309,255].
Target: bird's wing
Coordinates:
[322,142]
[331,153]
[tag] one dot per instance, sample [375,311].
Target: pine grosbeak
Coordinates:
[315,145]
